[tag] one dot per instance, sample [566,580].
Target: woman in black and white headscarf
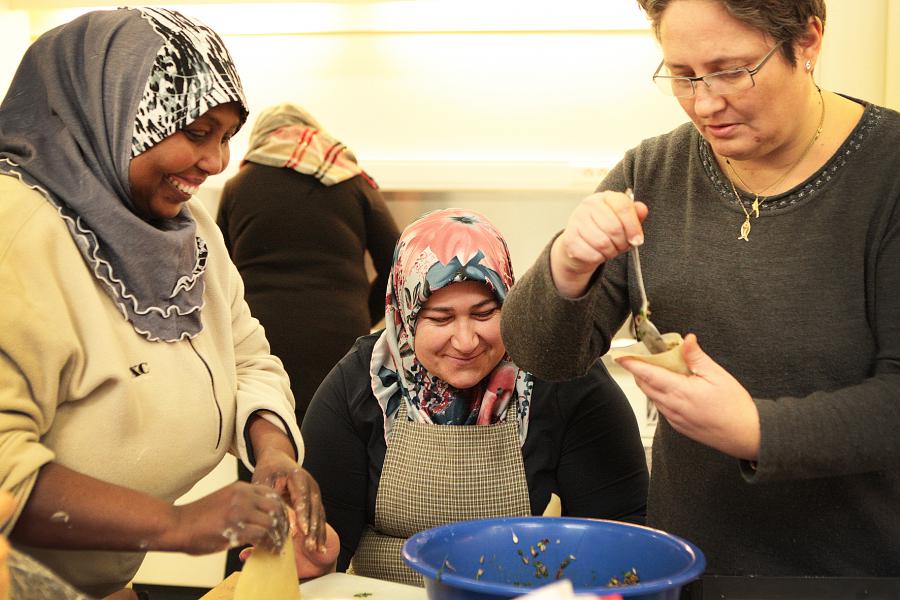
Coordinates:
[129,361]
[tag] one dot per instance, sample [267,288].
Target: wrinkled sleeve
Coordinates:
[559,338]
[38,353]
[23,416]
[545,332]
[853,429]
[262,383]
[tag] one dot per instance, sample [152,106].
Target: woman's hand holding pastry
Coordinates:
[314,563]
[710,406]
[602,226]
[316,544]
[278,471]
[318,562]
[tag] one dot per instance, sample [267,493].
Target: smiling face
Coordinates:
[164,177]
[458,334]
[699,37]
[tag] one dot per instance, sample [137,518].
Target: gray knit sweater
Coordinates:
[806,315]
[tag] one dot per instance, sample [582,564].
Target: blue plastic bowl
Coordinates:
[500,558]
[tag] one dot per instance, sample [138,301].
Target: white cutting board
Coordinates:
[343,586]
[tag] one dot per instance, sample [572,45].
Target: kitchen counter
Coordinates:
[334,586]
[342,586]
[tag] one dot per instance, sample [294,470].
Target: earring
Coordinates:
[808,65]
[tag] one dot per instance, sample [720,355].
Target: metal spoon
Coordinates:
[644,330]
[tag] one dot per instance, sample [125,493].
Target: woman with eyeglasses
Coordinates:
[769,230]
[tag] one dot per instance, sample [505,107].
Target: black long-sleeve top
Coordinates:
[583,444]
[300,247]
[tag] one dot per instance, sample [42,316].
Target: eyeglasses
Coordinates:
[720,82]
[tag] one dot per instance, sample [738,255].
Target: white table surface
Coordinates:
[343,586]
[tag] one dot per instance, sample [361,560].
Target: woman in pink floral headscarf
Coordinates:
[430,422]
[451,246]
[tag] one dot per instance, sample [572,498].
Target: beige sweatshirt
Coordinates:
[80,387]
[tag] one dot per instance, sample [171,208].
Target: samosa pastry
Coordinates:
[672,359]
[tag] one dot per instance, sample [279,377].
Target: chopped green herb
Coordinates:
[628,578]
[562,566]
[446,565]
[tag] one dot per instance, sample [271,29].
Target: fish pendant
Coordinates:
[745,230]
[755,207]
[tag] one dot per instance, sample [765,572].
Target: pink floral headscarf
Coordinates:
[440,249]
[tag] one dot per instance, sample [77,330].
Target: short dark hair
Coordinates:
[783,20]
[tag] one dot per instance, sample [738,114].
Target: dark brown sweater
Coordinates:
[299,246]
[806,315]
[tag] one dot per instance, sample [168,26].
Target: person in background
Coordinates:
[429,421]
[129,359]
[298,219]
[769,229]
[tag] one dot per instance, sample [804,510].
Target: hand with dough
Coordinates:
[310,563]
[275,574]
[238,514]
[709,405]
[277,470]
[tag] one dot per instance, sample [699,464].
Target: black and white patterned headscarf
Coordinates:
[89,96]
[192,73]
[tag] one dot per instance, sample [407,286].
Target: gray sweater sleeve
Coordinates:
[546,333]
[559,338]
[806,315]
[852,428]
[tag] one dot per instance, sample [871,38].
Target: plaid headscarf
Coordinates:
[287,136]
[440,249]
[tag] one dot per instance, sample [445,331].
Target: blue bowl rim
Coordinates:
[679,578]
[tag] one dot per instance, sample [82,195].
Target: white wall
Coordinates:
[425,109]
[519,104]
[13,42]
[853,59]
[505,97]
[892,59]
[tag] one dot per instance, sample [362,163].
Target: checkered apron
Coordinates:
[438,474]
